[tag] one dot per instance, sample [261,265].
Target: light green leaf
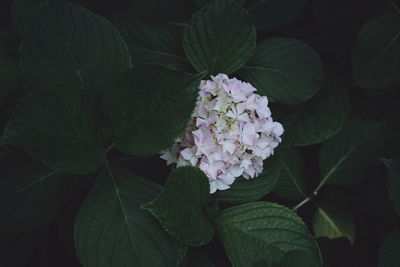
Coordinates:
[348,157]
[31,193]
[263,232]
[243,190]
[333,219]
[393,168]
[318,119]
[376,55]
[220,38]
[272,14]
[153,42]
[285,70]
[112,231]
[22,13]
[149,107]
[292,181]
[181,206]
[68,44]
[55,125]
[388,254]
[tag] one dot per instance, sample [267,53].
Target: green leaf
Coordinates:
[348,157]
[112,231]
[376,55]
[31,193]
[388,254]
[220,38]
[153,42]
[149,107]
[393,168]
[333,219]
[243,190]
[263,232]
[181,207]
[285,70]
[197,257]
[299,258]
[68,44]
[54,124]
[318,119]
[292,181]
[22,13]
[272,14]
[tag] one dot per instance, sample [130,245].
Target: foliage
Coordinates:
[91,92]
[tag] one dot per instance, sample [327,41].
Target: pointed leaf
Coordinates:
[54,124]
[149,107]
[31,193]
[292,181]
[220,38]
[285,70]
[318,119]
[68,44]
[333,219]
[263,232]
[153,42]
[376,55]
[181,206]
[112,231]
[243,190]
[348,157]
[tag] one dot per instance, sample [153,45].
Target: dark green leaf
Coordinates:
[376,55]
[299,258]
[54,124]
[263,232]
[197,257]
[292,181]
[68,44]
[112,231]
[242,190]
[393,167]
[333,219]
[22,13]
[388,254]
[181,206]
[31,194]
[349,156]
[272,14]
[150,107]
[285,70]
[319,118]
[219,38]
[153,42]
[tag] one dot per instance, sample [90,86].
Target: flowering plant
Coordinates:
[270,152]
[230,135]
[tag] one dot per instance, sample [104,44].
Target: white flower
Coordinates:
[230,135]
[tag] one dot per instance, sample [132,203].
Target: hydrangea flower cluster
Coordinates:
[230,135]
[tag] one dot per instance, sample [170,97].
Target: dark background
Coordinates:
[332,33]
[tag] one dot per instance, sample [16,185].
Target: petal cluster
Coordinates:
[230,134]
